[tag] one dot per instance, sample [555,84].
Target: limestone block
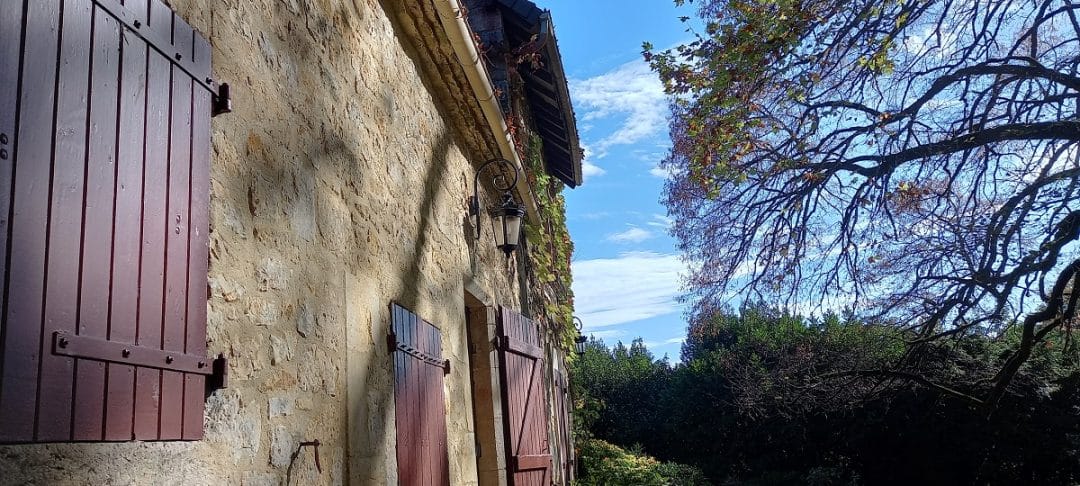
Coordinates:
[279,406]
[259,479]
[272,274]
[224,289]
[280,350]
[263,312]
[282,446]
[305,321]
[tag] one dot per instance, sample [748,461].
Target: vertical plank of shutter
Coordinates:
[443,460]
[504,388]
[152,263]
[198,244]
[417,383]
[397,356]
[11,34]
[98,221]
[176,252]
[416,412]
[435,397]
[420,385]
[411,378]
[428,422]
[515,386]
[406,467]
[404,424]
[120,394]
[65,222]
[29,219]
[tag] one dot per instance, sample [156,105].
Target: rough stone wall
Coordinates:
[339,184]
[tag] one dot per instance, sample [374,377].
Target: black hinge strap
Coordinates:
[75,346]
[222,101]
[158,41]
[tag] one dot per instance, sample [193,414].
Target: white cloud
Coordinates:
[662,173]
[595,215]
[631,287]
[661,221]
[606,333]
[676,340]
[631,92]
[631,235]
[588,169]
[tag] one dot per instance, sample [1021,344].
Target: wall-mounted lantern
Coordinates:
[505,216]
[579,341]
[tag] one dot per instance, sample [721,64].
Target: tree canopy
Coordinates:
[916,160]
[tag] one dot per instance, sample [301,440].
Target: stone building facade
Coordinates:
[338,185]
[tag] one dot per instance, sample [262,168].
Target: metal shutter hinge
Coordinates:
[222,101]
[220,376]
[391,342]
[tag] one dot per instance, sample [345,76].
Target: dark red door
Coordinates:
[521,365]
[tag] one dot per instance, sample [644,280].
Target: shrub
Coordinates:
[605,464]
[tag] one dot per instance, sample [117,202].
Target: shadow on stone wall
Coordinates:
[299,202]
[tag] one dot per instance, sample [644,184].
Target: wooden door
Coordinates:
[525,417]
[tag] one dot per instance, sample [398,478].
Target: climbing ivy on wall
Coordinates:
[550,248]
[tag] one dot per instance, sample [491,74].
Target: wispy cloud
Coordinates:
[606,333]
[661,172]
[588,169]
[631,287]
[632,234]
[631,92]
[661,221]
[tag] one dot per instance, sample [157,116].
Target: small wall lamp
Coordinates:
[579,341]
[505,216]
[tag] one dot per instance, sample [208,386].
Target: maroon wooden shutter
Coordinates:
[104,199]
[418,399]
[521,365]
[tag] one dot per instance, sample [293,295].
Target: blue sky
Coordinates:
[626,269]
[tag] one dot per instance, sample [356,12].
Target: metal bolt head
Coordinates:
[202,364]
[3,138]
[126,353]
[62,342]
[168,359]
[3,154]
[177,230]
[179,56]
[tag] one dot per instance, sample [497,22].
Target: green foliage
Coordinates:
[765,397]
[619,390]
[604,464]
[550,247]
